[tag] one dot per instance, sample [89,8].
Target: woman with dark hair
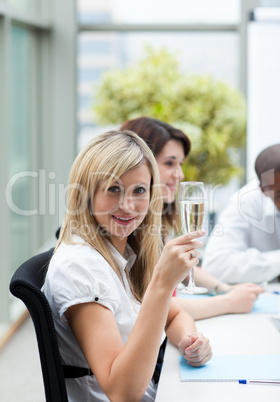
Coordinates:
[171,146]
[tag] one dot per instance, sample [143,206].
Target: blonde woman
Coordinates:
[109,282]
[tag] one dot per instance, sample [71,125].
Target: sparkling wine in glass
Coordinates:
[192,200]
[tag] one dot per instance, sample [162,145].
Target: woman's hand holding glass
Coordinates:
[177,259]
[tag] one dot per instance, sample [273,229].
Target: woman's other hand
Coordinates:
[196,349]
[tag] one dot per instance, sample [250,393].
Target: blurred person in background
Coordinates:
[246,246]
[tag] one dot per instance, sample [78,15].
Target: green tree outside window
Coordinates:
[210,112]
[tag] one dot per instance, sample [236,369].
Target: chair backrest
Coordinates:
[26,284]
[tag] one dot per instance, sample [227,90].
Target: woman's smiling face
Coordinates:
[122,207]
[169,162]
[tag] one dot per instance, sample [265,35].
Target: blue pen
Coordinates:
[259,381]
[264,285]
[275,292]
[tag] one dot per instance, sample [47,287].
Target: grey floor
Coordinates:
[20,370]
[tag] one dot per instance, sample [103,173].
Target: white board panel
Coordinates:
[263,83]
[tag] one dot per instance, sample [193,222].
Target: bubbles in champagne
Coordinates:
[192,215]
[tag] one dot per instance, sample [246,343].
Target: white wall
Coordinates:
[263,84]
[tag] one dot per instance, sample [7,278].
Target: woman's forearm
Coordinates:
[183,324]
[239,299]
[204,308]
[181,331]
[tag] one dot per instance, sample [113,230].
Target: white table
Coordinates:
[234,334]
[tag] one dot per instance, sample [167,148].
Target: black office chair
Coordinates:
[26,284]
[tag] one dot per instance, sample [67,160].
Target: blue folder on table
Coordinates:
[233,368]
[265,303]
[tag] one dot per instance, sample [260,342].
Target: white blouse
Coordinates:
[79,274]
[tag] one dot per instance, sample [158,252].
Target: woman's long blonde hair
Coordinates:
[103,160]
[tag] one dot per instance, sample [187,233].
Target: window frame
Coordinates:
[52,97]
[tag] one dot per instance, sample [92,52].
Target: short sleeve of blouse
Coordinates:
[79,274]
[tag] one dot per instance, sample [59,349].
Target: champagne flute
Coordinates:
[192,199]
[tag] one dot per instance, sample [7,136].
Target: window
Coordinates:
[160,12]
[199,32]
[21,140]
